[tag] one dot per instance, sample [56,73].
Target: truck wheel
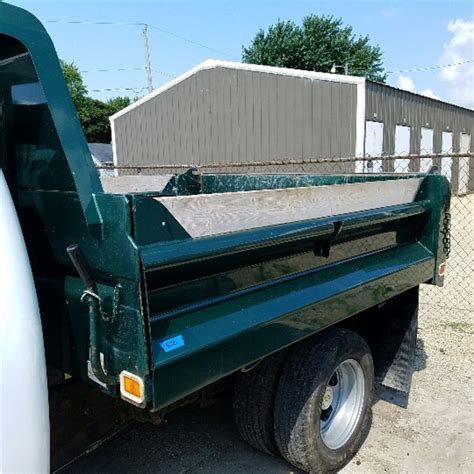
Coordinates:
[254,397]
[323,401]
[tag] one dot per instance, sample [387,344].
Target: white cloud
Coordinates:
[406,83]
[429,93]
[459,80]
[391,11]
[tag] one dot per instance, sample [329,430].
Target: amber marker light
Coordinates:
[132,388]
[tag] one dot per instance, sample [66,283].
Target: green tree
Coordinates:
[74,81]
[118,103]
[94,117]
[316,45]
[93,113]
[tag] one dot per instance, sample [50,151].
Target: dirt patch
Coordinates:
[434,434]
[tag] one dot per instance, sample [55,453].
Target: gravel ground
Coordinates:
[434,434]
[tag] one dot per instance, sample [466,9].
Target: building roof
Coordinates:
[215,64]
[428,98]
[101,152]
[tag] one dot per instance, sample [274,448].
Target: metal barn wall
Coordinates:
[396,107]
[224,115]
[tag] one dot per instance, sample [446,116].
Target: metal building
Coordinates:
[225,112]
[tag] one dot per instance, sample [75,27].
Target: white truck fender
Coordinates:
[24,414]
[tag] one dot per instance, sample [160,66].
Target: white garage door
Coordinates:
[426,148]
[465,146]
[446,149]
[373,146]
[402,147]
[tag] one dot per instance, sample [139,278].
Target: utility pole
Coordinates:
[149,77]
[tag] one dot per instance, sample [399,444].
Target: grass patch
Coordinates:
[464,328]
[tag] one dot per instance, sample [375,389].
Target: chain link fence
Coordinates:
[456,299]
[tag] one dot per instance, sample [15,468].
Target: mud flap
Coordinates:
[393,345]
[390,330]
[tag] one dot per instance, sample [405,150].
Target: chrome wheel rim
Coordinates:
[342,404]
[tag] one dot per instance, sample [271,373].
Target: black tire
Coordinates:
[254,397]
[298,403]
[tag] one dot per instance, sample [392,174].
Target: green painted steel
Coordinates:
[27,36]
[226,245]
[182,312]
[224,337]
[233,183]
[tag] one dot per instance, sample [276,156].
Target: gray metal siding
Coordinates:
[396,107]
[224,115]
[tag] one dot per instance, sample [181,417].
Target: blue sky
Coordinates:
[411,33]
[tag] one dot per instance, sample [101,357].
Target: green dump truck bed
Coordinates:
[208,273]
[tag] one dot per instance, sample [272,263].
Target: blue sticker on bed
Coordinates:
[173,343]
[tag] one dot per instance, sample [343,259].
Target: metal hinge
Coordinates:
[446,231]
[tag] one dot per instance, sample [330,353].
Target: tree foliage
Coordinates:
[316,45]
[118,103]
[92,113]
[74,81]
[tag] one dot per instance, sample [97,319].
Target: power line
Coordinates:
[122,69]
[82,22]
[209,48]
[119,69]
[137,90]
[187,40]
[429,68]
[142,24]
